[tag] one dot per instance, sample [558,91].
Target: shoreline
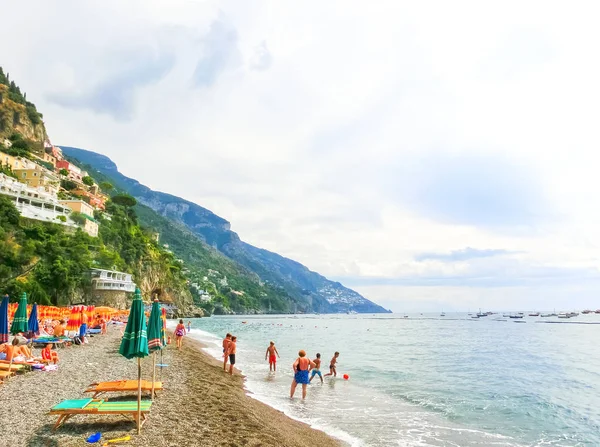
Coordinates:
[200,404]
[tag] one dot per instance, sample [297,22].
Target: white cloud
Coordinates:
[351,139]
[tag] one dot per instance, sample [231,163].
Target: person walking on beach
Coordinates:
[301,367]
[332,363]
[271,353]
[189,327]
[179,333]
[226,342]
[317,369]
[231,350]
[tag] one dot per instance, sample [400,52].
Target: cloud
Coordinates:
[261,59]
[115,93]
[463,255]
[489,190]
[220,51]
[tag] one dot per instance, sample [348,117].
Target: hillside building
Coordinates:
[35,203]
[37,176]
[111,288]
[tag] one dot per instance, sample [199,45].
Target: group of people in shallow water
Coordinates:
[303,366]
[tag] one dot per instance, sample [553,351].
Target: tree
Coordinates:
[124,200]
[63,172]
[106,186]
[68,185]
[87,180]
[78,218]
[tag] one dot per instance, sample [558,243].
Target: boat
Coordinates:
[481,314]
[442,314]
[598,311]
[564,315]
[405,316]
[516,316]
[506,315]
[573,314]
[534,314]
[547,315]
[474,316]
[587,311]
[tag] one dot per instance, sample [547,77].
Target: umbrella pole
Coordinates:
[153,372]
[139,399]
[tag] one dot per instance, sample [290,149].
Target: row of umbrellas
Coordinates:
[20,322]
[141,339]
[17,314]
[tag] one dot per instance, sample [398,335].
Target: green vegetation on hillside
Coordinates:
[15,95]
[52,265]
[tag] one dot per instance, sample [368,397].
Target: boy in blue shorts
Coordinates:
[317,369]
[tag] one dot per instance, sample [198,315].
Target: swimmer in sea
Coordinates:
[317,369]
[332,363]
[272,355]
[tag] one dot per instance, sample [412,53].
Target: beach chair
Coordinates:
[69,408]
[5,374]
[14,367]
[121,386]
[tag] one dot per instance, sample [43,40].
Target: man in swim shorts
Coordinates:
[226,342]
[332,363]
[231,350]
[301,367]
[317,369]
[271,353]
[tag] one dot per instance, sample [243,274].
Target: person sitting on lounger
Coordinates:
[48,355]
[59,330]
[13,350]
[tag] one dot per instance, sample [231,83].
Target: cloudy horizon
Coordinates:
[431,156]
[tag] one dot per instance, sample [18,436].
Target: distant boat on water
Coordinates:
[506,315]
[481,314]
[547,315]
[442,314]
[534,314]
[587,311]
[516,316]
[598,311]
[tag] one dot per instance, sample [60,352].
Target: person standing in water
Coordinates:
[231,350]
[272,354]
[189,327]
[317,369]
[226,342]
[332,363]
[301,367]
[179,333]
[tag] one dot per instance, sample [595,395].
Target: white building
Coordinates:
[35,203]
[112,280]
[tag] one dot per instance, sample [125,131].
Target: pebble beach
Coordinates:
[199,406]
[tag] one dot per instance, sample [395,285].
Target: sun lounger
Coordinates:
[14,367]
[121,386]
[69,408]
[5,374]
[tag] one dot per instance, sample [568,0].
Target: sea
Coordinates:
[428,380]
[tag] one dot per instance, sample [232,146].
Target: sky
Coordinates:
[431,155]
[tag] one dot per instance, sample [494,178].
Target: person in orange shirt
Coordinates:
[231,350]
[48,355]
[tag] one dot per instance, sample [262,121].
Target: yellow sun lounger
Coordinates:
[14,367]
[69,408]
[122,386]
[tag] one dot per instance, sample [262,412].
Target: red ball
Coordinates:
[346,376]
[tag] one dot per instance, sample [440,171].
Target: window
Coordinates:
[24,175]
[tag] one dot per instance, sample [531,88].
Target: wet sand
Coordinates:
[200,406]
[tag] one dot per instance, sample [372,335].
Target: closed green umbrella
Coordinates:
[19,323]
[155,341]
[135,342]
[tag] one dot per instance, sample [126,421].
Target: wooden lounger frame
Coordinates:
[65,415]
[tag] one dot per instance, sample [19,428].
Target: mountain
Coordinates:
[308,291]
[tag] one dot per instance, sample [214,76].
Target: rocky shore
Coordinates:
[200,406]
